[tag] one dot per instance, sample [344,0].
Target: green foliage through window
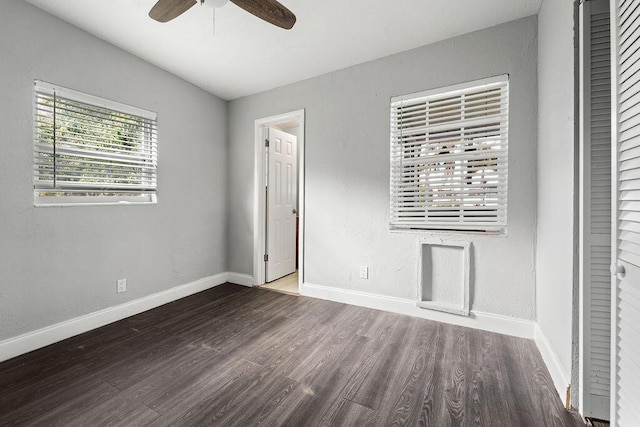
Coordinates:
[82,149]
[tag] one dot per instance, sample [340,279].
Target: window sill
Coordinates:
[438,232]
[63,205]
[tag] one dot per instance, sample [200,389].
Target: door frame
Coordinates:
[259,199]
[585,200]
[585,11]
[614,388]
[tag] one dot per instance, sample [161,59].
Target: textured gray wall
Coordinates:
[347,169]
[59,263]
[556,167]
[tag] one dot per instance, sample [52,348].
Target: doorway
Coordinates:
[279,202]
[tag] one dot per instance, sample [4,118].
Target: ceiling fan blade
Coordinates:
[166,10]
[270,11]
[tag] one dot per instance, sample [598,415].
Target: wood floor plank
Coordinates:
[194,385]
[236,389]
[115,411]
[127,350]
[324,377]
[34,369]
[245,333]
[327,358]
[370,385]
[378,325]
[456,390]
[320,311]
[545,397]
[484,381]
[239,356]
[283,351]
[244,400]
[414,387]
[58,405]
[432,409]
[515,382]
[181,309]
[348,413]
[268,394]
[185,374]
[300,396]
[39,387]
[157,362]
[207,308]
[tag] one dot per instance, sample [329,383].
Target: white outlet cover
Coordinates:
[364,272]
[122,285]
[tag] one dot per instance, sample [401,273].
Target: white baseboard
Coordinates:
[240,279]
[478,320]
[34,340]
[561,379]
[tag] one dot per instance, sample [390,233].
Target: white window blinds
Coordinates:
[88,149]
[449,158]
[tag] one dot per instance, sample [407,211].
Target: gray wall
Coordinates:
[347,169]
[59,263]
[556,166]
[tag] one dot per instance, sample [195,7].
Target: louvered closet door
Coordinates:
[626,20]
[596,231]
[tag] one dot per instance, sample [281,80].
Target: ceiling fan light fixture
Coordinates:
[214,3]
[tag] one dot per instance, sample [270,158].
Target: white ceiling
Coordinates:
[247,55]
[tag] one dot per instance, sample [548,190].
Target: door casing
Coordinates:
[259,227]
[585,404]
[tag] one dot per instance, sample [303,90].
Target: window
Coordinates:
[449,158]
[91,150]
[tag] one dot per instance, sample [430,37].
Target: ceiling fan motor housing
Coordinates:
[213,3]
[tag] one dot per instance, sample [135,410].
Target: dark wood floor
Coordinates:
[240,356]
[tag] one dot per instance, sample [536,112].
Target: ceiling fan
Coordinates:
[267,10]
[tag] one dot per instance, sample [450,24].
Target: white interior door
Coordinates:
[625,408]
[281,204]
[595,224]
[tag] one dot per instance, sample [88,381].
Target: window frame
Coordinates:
[426,189]
[137,197]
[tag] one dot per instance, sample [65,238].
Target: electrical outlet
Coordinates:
[364,272]
[122,286]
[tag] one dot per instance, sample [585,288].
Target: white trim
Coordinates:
[476,319]
[588,404]
[34,340]
[39,204]
[240,279]
[465,245]
[585,203]
[559,375]
[259,196]
[614,386]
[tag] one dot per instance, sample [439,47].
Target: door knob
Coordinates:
[617,270]
[295,211]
